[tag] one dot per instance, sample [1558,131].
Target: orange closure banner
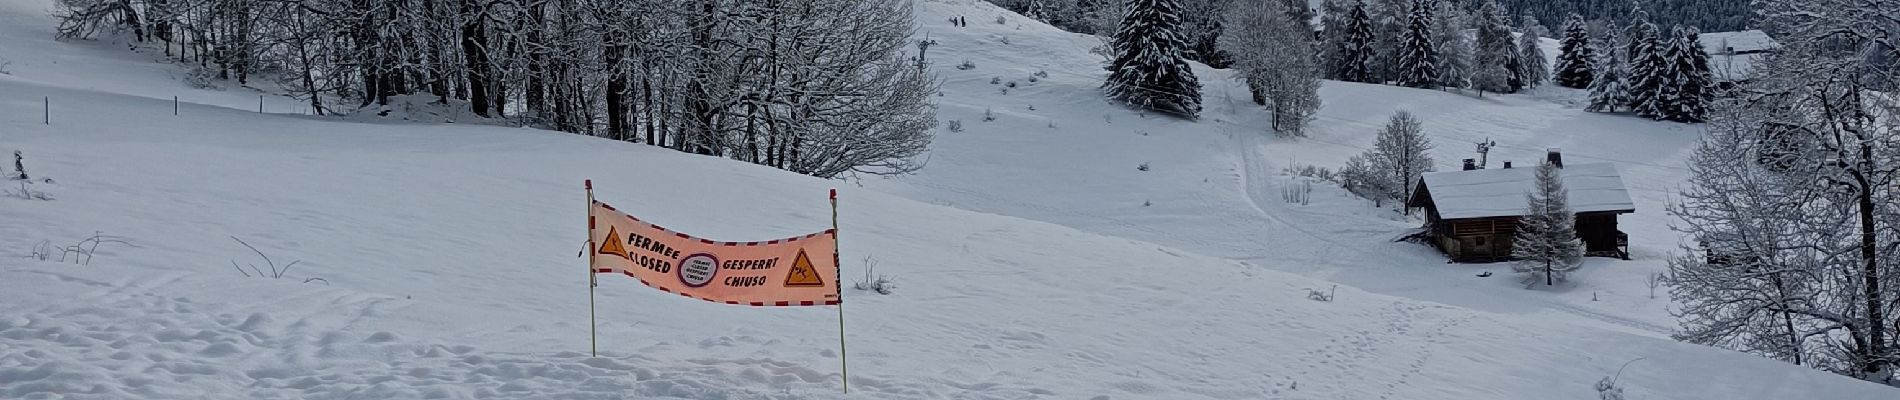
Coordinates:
[796,271]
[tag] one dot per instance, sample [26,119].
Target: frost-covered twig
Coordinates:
[873,281]
[1327,295]
[82,251]
[275,271]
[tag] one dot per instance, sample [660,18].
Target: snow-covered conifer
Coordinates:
[1356,58]
[1334,17]
[1149,70]
[1648,69]
[1609,90]
[1691,84]
[1530,51]
[1497,59]
[1418,55]
[1389,20]
[1577,57]
[1454,46]
[1546,245]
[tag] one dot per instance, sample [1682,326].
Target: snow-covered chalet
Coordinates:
[1472,214]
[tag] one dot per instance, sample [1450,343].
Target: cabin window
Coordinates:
[1479,241]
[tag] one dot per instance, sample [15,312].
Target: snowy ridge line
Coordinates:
[683,235]
[629,274]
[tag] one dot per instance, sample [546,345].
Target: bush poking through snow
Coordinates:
[1143,167]
[1655,280]
[202,78]
[1326,296]
[80,253]
[1011,84]
[27,192]
[4,63]
[996,80]
[42,251]
[1606,387]
[873,281]
[954,125]
[1297,191]
[19,166]
[1311,171]
[988,116]
[966,65]
[275,271]
[1607,390]
[1041,74]
[1001,20]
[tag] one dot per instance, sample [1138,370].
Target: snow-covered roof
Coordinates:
[1733,68]
[1740,42]
[1500,192]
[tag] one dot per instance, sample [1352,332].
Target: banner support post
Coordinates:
[844,364]
[593,343]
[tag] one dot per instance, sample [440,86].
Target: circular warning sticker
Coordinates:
[698,269]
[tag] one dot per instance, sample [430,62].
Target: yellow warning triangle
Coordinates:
[612,244]
[803,273]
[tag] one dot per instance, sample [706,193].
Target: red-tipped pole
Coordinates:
[844,366]
[593,337]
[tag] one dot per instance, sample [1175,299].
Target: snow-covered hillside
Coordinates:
[448,254]
[1058,152]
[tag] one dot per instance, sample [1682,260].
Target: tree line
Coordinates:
[1431,44]
[1204,22]
[1271,49]
[819,87]
[1654,76]
[1708,15]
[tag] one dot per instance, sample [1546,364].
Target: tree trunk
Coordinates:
[1870,269]
[537,59]
[1787,319]
[475,55]
[616,93]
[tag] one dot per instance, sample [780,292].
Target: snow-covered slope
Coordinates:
[1058,152]
[449,253]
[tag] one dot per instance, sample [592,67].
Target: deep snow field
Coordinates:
[1034,260]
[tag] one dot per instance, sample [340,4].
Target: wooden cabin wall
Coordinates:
[1598,231]
[1479,238]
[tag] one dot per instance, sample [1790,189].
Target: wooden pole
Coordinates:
[46,105]
[593,342]
[260,110]
[844,363]
[174,106]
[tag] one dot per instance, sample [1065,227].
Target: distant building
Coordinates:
[1732,55]
[1472,214]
